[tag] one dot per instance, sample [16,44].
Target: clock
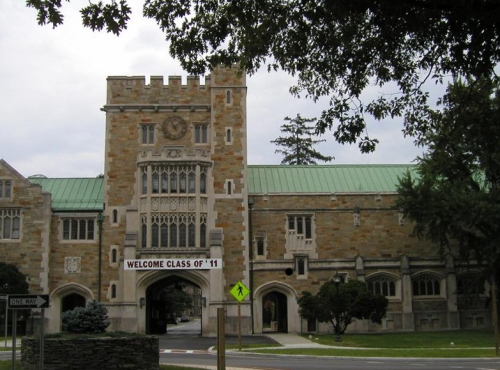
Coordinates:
[174,127]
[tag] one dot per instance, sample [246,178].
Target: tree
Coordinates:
[176,301]
[299,145]
[334,48]
[341,304]
[90,319]
[455,199]
[12,281]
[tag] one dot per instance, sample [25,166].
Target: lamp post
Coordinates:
[336,280]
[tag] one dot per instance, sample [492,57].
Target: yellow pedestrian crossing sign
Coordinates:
[239,291]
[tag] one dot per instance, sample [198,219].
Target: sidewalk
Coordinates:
[290,340]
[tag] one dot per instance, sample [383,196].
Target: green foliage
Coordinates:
[456,200]
[12,281]
[176,300]
[86,320]
[299,145]
[335,48]
[341,304]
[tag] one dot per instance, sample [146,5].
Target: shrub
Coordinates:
[90,319]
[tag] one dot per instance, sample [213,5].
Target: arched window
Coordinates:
[228,97]
[470,284]
[114,255]
[426,285]
[113,291]
[115,216]
[382,285]
[144,182]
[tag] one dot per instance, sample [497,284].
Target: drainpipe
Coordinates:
[250,256]
[100,219]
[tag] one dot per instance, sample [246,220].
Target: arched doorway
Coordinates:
[275,312]
[173,302]
[71,301]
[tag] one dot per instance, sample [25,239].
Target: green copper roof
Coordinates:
[87,194]
[325,178]
[74,194]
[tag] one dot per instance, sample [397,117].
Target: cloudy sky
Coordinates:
[53,84]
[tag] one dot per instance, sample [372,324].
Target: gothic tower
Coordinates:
[175,188]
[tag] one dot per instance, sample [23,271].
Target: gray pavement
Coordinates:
[295,341]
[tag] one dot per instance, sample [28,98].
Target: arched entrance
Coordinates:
[276,308]
[275,312]
[172,303]
[71,301]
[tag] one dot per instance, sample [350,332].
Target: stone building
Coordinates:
[178,203]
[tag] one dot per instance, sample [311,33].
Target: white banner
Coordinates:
[174,264]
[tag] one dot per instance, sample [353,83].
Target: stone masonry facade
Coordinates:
[176,186]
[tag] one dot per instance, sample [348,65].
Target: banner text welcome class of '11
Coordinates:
[174,264]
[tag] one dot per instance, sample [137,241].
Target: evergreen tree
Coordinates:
[298,146]
[90,319]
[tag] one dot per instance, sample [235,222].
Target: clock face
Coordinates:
[174,127]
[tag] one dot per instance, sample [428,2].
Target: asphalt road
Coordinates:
[186,336]
[277,362]
[182,345]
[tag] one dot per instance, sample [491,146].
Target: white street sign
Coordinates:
[21,301]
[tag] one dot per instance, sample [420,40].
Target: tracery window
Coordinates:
[10,223]
[426,285]
[301,224]
[177,231]
[174,214]
[382,285]
[470,284]
[173,180]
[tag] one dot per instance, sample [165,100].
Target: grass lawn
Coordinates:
[410,353]
[441,339]
[466,344]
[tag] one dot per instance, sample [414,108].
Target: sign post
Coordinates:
[239,292]
[3,297]
[221,340]
[22,302]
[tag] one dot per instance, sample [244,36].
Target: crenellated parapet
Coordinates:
[135,90]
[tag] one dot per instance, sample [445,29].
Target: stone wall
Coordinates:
[29,252]
[141,353]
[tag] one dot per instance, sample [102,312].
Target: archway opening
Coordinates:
[274,312]
[72,301]
[173,305]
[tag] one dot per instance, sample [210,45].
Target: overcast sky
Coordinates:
[53,84]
